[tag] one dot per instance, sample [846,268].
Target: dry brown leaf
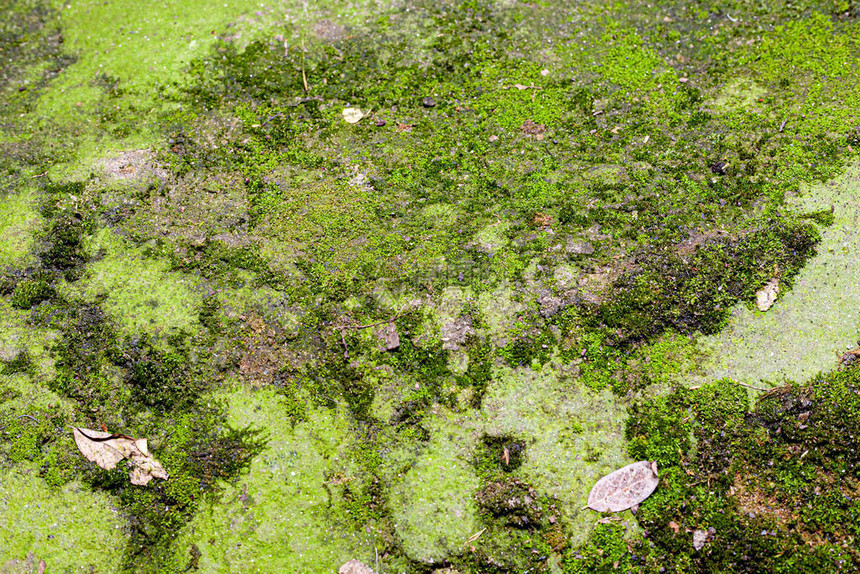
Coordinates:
[107,450]
[624,488]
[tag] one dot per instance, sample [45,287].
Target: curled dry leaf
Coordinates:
[107,450]
[352,115]
[624,488]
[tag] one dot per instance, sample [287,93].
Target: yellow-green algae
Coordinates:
[73,528]
[572,436]
[19,220]
[433,509]
[142,294]
[810,326]
[278,517]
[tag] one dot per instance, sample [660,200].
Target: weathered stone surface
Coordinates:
[388,336]
[455,333]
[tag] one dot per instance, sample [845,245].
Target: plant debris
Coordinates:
[624,488]
[106,450]
[766,296]
[353,115]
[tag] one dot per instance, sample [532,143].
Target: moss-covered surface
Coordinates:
[419,339]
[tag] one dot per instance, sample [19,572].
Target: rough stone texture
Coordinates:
[388,336]
[456,332]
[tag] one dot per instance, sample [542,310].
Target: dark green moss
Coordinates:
[769,483]
[33,291]
[696,293]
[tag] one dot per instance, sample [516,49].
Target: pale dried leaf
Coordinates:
[352,115]
[102,453]
[355,567]
[700,537]
[624,488]
[106,450]
[766,296]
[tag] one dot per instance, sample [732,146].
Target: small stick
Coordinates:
[345,350]
[782,125]
[304,77]
[751,386]
[474,537]
[342,328]
[32,418]
[396,317]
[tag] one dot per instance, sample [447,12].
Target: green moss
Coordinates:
[18,222]
[142,294]
[761,480]
[30,292]
[802,333]
[666,135]
[61,532]
[278,517]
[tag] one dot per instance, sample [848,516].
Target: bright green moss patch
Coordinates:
[280,515]
[57,525]
[142,294]
[18,222]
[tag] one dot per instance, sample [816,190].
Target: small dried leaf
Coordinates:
[352,115]
[624,488]
[106,450]
[355,567]
[700,537]
[100,452]
[674,526]
[766,296]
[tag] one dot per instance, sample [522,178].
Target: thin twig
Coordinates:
[751,386]
[368,326]
[345,350]
[32,418]
[270,118]
[304,77]
[782,125]
[474,537]
[342,328]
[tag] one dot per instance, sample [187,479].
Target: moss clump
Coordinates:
[761,485]
[696,293]
[163,377]
[498,454]
[30,292]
